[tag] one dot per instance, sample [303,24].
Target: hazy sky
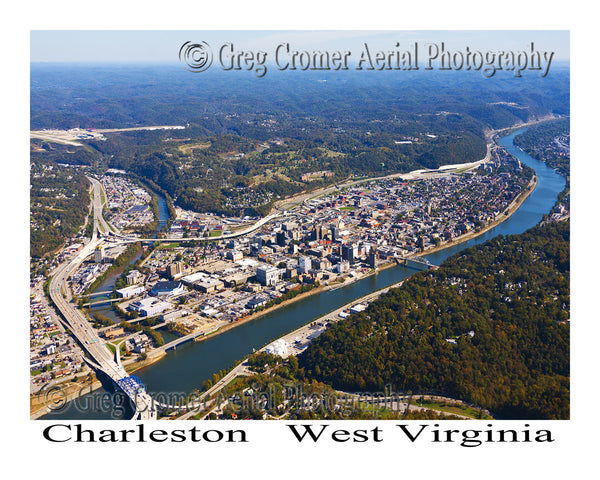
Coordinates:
[163,46]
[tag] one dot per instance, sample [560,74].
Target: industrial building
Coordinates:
[149,306]
[131,291]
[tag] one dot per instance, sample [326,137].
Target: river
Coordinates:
[109,282]
[187,367]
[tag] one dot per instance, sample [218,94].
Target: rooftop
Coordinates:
[166,286]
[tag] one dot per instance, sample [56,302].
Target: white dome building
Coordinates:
[278,347]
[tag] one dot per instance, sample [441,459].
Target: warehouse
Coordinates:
[149,306]
[131,291]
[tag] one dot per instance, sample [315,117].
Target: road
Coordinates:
[99,221]
[133,129]
[239,233]
[287,204]
[235,372]
[102,358]
[83,331]
[302,332]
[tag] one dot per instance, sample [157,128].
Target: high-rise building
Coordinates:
[372,258]
[304,264]
[99,254]
[175,270]
[335,232]
[350,252]
[281,239]
[316,233]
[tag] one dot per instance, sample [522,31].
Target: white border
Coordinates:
[271,453]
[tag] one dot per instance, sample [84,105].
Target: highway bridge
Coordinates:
[101,358]
[99,294]
[187,338]
[102,301]
[245,231]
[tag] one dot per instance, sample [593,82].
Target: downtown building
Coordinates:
[268,275]
[304,264]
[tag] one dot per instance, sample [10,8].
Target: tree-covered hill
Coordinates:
[249,141]
[490,326]
[59,203]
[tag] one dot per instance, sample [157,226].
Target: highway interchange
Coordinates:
[102,358]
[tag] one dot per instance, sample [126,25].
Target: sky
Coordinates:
[163,45]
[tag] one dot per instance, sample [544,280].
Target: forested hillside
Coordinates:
[549,142]
[59,202]
[249,141]
[490,326]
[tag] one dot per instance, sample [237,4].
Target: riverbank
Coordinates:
[502,217]
[182,371]
[58,395]
[152,357]
[249,318]
[463,238]
[128,256]
[512,208]
[436,403]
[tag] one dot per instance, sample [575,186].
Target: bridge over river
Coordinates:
[417,263]
[101,358]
